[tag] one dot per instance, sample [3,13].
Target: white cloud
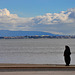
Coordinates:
[58,33]
[5,12]
[13,22]
[49,18]
[58,23]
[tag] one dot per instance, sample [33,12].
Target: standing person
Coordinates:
[67,54]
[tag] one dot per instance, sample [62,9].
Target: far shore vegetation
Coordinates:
[39,37]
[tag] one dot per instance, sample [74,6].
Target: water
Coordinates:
[35,51]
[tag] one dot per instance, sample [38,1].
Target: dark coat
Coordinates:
[67,54]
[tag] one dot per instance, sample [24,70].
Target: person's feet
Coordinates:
[67,65]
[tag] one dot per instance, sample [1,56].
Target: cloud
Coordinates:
[13,22]
[63,22]
[5,12]
[58,23]
[55,18]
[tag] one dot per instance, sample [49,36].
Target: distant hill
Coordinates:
[7,33]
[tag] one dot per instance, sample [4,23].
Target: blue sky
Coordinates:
[32,8]
[54,16]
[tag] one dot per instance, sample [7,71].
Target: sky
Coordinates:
[54,16]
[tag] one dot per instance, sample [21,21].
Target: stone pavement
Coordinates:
[35,67]
[39,73]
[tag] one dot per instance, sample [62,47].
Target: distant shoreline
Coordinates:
[39,37]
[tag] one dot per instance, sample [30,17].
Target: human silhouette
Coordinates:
[67,54]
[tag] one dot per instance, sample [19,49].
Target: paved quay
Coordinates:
[39,73]
[35,67]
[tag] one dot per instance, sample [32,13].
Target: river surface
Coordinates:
[35,51]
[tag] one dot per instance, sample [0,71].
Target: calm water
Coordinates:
[35,51]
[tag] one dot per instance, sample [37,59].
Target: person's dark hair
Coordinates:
[67,47]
